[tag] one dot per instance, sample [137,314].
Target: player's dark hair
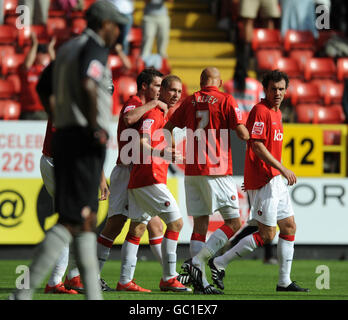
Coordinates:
[146,76]
[169,79]
[275,76]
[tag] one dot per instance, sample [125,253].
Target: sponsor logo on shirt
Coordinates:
[146,126]
[95,70]
[258,128]
[278,136]
[128,108]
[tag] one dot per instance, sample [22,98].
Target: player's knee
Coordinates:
[175,225]
[235,224]
[267,235]
[137,229]
[200,225]
[155,227]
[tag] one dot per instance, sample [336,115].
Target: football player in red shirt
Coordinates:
[149,195]
[149,84]
[208,116]
[264,181]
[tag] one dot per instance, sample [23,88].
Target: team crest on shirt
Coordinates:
[128,108]
[147,124]
[258,128]
[95,70]
[259,212]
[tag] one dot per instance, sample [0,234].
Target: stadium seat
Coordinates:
[135,37]
[24,35]
[11,109]
[7,89]
[10,6]
[324,36]
[322,85]
[87,4]
[15,79]
[334,93]
[342,68]
[292,85]
[11,63]
[6,50]
[266,39]
[323,68]
[295,39]
[313,113]
[306,113]
[78,25]
[266,58]
[55,23]
[289,66]
[331,114]
[305,92]
[301,56]
[8,34]
[332,137]
[116,65]
[125,87]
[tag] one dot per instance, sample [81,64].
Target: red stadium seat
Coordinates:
[135,37]
[10,6]
[332,137]
[334,94]
[342,68]
[322,85]
[292,85]
[11,63]
[313,113]
[301,56]
[323,68]
[295,39]
[54,24]
[15,79]
[289,66]
[87,4]
[7,89]
[125,87]
[24,35]
[266,39]
[78,25]
[266,58]
[114,61]
[8,34]
[6,50]
[11,110]
[324,36]
[305,93]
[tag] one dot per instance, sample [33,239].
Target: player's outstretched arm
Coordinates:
[133,116]
[262,152]
[242,132]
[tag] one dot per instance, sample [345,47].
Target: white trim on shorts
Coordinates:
[207,194]
[153,200]
[270,203]
[47,174]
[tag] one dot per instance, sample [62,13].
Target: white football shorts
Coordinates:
[153,200]
[118,198]
[270,203]
[47,174]
[208,194]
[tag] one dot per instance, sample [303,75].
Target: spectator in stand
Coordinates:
[38,10]
[70,5]
[127,8]
[249,10]
[298,15]
[156,23]
[29,72]
[246,91]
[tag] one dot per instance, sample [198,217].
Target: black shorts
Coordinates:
[78,164]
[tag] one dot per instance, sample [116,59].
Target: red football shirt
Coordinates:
[132,103]
[151,171]
[263,124]
[208,115]
[47,145]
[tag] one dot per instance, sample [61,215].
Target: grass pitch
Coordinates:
[245,280]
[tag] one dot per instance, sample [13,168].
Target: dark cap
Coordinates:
[104,10]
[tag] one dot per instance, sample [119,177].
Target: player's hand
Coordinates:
[100,136]
[171,154]
[290,176]
[163,106]
[104,191]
